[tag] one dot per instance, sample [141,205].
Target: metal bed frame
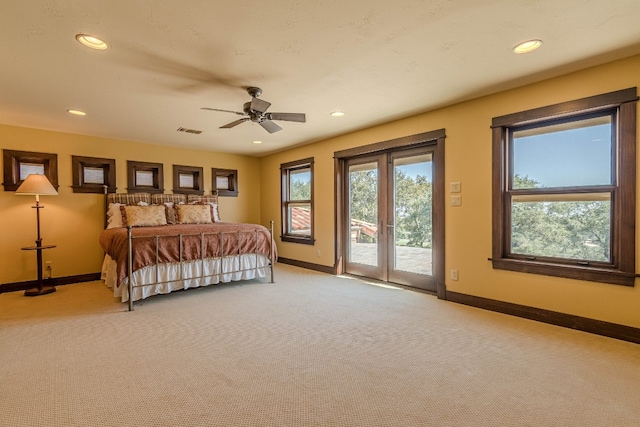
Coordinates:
[202,258]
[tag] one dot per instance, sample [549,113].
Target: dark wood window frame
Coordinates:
[621,270]
[108,166]
[198,180]
[285,170]
[232,177]
[11,166]
[133,167]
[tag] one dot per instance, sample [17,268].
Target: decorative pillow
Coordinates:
[114,216]
[144,216]
[170,211]
[215,214]
[194,214]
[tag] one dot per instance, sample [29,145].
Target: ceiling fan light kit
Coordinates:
[256,111]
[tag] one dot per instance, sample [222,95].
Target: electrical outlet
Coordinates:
[454,187]
[454,274]
[48,265]
[456,200]
[318,253]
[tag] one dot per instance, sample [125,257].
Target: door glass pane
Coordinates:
[574,226]
[412,211]
[575,153]
[363,214]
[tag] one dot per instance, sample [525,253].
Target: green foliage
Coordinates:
[364,195]
[300,190]
[413,209]
[413,205]
[562,229]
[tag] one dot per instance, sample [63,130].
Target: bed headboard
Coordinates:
[153,199]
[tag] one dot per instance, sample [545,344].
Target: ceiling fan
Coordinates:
[256,111]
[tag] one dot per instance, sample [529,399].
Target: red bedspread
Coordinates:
[236,239]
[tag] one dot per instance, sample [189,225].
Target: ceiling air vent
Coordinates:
[193,131]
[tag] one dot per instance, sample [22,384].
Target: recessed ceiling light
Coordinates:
[528,46]
[91,41]
[77,112]
[337,113]
[257,142]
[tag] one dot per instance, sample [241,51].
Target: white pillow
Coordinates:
[114,215]
[216,214]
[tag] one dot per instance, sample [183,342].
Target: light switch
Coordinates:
[454,187]
[456,200]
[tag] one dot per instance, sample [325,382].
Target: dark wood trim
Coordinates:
[158,177]
[625,204]
[585,324]
[56,281]
[78,163]
[308,265]
[392,144]
[591,103]
[338,214]
[285,169]
[11,160]
[198,179]
[438,233]
[231,175]
[621,268]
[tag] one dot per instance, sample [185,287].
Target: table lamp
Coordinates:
[38,185]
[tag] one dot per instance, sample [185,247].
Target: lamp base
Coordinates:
[34,292]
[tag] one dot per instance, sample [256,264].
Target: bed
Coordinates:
[159,243]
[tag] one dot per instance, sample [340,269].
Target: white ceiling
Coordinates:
[376,60]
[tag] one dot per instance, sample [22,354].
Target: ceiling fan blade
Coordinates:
[259,105]
[270,126]
[289,117]
[235,123]
[223,111]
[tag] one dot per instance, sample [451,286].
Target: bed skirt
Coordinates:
[161,279]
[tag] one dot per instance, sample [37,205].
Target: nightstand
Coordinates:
[40,289]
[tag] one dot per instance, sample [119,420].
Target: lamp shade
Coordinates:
[37,185]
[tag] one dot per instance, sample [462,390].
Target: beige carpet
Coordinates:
[309,350]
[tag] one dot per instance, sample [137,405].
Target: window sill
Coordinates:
[297,239]
[592,274]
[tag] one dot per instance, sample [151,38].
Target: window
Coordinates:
[187,180]
[20,164]
[297,201]
[144,177]
[564,189]
[225,181]
[91,174]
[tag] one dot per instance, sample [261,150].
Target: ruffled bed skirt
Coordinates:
[166,278]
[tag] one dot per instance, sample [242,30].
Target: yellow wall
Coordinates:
[468,227]
[73,221]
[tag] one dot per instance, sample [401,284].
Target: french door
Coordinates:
[389,219]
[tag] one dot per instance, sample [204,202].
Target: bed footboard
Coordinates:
[221,235]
